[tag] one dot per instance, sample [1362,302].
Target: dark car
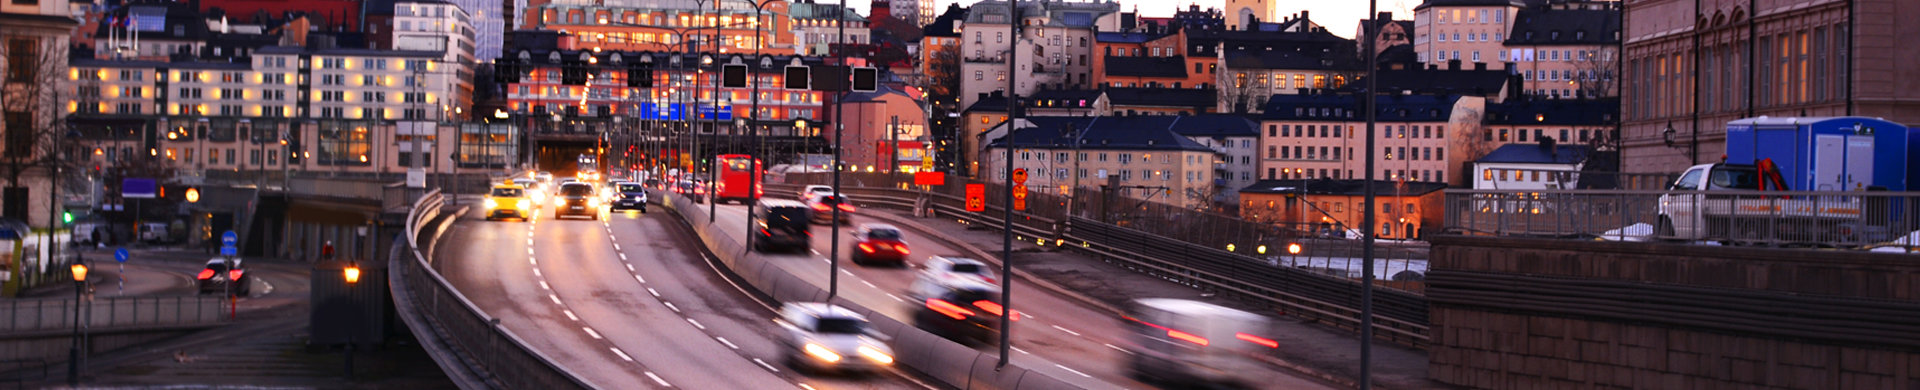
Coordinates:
[691,190]
[962,310]
[629,196]
[214,278]
[879,243]
[823,208]
[783,225]
[576,198]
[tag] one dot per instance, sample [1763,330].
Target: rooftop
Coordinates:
[1109,133]
[1538,154]
[1545,26]
[1130,66]
[1162,97]
[1604,111]
[1351,187]
[1346,107]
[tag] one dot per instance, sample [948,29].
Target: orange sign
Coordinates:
[976,197]
[924,178]
[1020,176]
[1020,197]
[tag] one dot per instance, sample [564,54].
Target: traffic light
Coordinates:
[866,79]
[66,217]
[797,77]
[733,76]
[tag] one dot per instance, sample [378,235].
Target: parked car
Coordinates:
[824,205]
[827,337]
[877,242]
[219,272]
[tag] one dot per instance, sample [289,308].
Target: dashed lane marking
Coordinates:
[729,344]
[670,306]
[616,247]
[623,356]
[656,379]
[656,294]
[804,386]
[763,363]
[896,297]
[1066,330]
[570,315]
[556,299]
[696,324]
[1072,371]
[1119,349]
[630,268]
[544,286]
[623,256]
[869,284]
[590,332]
[536,272]
[1021,351]
[637,277]
[531,260]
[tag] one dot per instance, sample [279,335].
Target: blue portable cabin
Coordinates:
[1829,153]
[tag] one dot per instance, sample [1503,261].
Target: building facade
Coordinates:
[1150,162]
[1330,208]
[1466,30]
[1569,50]
[1425,138]
[668,27]
[35,36]
[817,29]
[1054,50]
[1691,70]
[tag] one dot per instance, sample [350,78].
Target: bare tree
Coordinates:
[1596,73]
[1241,93]
[30,101]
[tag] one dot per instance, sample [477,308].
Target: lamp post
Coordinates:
[352,276]
[73,353]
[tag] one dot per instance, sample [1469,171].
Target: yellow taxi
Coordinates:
[508,200]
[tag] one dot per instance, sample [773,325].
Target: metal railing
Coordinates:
[501,358]
[30,315]
[1849,219]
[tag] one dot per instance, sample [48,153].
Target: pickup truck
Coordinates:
[1736,203]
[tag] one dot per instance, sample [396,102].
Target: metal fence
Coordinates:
[29,315]
[1853,219]
[503,359]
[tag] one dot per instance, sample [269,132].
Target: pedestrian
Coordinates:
[326,250]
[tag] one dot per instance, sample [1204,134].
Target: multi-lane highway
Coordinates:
[626,301]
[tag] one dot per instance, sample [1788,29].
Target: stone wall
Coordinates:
[1546,314]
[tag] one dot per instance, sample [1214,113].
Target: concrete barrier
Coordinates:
[951,363]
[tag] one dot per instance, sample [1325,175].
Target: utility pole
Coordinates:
[893,141]
[1006,219]
[839,130]
[1366,261]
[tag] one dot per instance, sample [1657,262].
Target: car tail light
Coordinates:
[1269,343]
[949,309]
[866,248]
[846,207]
[902,248]
[205,274]
[1189,337]
[821,207]
[995,308]
[235,274]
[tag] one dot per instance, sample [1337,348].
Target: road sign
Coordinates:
[121,255]
[1020,197]
[976,197]
[1020,176]
[136,188]
[228,243]
[929,178]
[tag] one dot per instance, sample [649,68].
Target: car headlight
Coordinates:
[875,355]
[523,204]
[822,353]
[491,204]
[559,201]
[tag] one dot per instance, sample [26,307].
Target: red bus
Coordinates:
[735,170]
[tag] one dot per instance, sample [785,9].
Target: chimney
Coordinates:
[1303,15]
[1453,64]
[1384,16]
[1479,66]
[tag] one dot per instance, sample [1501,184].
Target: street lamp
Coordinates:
[73,354]
[352,276]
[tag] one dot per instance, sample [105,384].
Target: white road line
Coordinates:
[729,344]
[1065,330]
[613,238]
[536,272]
[1119,349]
[590,332]
[529,240]
[656,379]
[1072,371]
[849,273]
[616,247]
[531,260]
[623,256]
[529,251]
[763,363]
[696,324]
[1021,351]
[816,252]
[869,284]
[636,277]
[556,299]
[670,306]
[623,355]
[895,297]
[630,267]
[656,294]
[824,260]
[804,386]
[570,315]
[543,285]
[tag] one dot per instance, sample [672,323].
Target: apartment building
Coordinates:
[36,36]
[1150,59]
[607,84]
[1691,67]
[438,26]
[1568,50]
[1420,137]
[817,27]
[1591,122]
[1330,207]
[1259,64]
[1153,163]
[1235,141]
[668,27]
[1054,50]
[1473,31]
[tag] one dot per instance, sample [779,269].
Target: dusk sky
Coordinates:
[1339,16]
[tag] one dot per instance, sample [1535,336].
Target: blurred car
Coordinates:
[534,192]
[823,206]
[876,242]
[653,183]
[157,232]
[544,177]
[508,201]
[959,309]
[827,337]
[938,268]
[1191,343]
[783,225]
[629,196]
[218,272]
[691,190]
[810,191]
[576,198]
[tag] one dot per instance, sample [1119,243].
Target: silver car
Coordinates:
[823,337]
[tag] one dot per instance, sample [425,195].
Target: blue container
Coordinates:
[1829,153]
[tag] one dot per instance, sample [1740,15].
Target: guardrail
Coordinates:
[30,315]
[498,357]
[1851,219]
[1399,316]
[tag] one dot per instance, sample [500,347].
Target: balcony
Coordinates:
[986,59]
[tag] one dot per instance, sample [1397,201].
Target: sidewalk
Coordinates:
[1307,347]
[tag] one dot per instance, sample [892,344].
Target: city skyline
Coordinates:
[1339,18]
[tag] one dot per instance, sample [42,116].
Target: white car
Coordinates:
[810,191]
[937,269]
[827,337]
